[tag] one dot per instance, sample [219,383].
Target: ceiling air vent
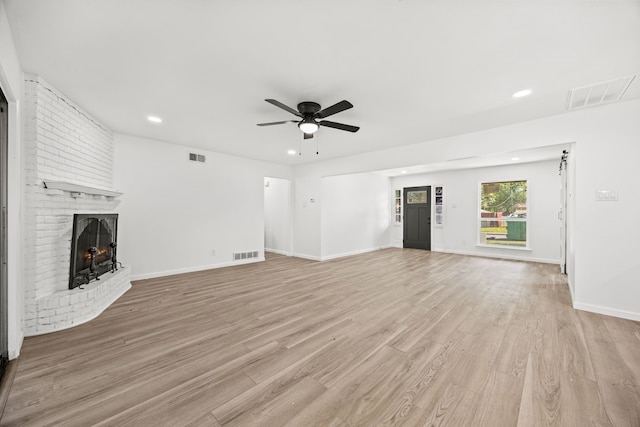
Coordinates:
[599,93]
[197,157]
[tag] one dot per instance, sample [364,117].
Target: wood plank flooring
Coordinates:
[392,337]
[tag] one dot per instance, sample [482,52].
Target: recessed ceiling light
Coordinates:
[403,171]
[515,159]
[522,93]
[154,119]
[291,152]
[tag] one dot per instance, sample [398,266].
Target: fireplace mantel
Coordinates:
[78,190]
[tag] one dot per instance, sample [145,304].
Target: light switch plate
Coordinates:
[606,195]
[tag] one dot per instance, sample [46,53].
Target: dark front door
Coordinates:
[417,218]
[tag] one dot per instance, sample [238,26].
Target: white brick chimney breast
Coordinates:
[68,169]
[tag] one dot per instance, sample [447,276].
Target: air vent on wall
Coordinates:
[197,157]
[599,93]
[245,255]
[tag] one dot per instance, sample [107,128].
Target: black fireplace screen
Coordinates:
[93,247]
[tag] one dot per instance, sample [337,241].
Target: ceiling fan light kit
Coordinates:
[308,126]
[311,114]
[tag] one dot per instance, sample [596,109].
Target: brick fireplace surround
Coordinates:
[68,169]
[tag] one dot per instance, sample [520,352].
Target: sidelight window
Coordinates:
[398,207]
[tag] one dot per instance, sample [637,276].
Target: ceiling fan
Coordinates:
[310,114]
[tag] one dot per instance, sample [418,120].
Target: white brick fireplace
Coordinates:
[68,170]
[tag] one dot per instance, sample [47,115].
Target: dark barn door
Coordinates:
[417,218]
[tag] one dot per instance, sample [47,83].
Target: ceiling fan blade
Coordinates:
[284,107]
[335,108]
[308,135]
[276,123]
[340,126]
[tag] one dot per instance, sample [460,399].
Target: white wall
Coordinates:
[11,84]
[174,212]
[278,224]
[306,214]
[606,151]
[459,231]
[356,214]
[606,234]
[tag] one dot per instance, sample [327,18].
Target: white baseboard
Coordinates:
[309,257]
[277,251]
[500,255]
[623,314]
[358,252]
[570,284]
[193,269]
[15,352]
[342,255]
[515,257]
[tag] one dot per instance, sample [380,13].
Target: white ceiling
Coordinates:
[415,70]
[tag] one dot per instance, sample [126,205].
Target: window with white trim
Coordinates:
[503,214]
[398,207]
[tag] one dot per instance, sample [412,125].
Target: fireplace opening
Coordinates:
[93,247]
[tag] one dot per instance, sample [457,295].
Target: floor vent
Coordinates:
[599,93]
[197,157]
[245,255]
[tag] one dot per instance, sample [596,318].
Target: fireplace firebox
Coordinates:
[93,247]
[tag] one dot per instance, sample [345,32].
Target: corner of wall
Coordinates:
[623,314]
[12,87]
[14,350]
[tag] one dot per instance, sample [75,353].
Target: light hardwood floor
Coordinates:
[392,337]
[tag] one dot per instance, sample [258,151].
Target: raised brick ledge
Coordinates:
[72,307]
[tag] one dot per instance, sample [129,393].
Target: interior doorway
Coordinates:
[278,227]
[4,143]
[417,218]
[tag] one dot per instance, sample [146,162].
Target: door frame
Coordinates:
[4,188]
[562,215]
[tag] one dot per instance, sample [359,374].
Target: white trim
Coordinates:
[309,257]
[277,251]
[509,247]
[358,252]
[607,311]
[193,269]
[79,189]
[15,205]
[571,292]
[15,352]
[515,219]
[503,256]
